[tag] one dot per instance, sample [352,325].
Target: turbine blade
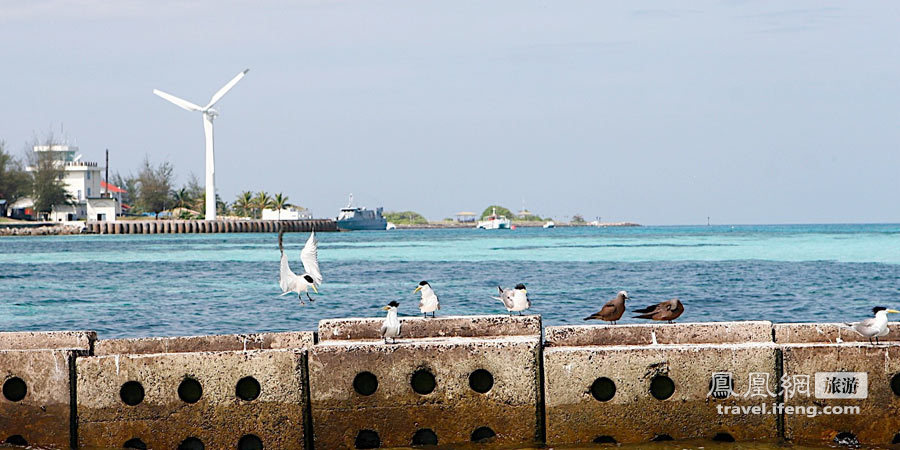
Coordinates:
[218,95]
[180,102]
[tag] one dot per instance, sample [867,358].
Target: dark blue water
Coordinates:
[227,283]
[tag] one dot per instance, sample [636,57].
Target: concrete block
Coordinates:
[798,333]
[662,333]
[877,423]
[32,340]
[441,383]
[217,398]
[616,391]
[441,326]
[35,405]
[213,343]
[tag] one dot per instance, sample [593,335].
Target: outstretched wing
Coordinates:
[285,276]
[507,298]
[309,256]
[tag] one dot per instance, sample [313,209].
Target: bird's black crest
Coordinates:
[878,308]
[423,283]
[308,278]
[393,303]
[520,286]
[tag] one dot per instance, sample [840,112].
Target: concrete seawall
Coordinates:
[447,380]
[204,226]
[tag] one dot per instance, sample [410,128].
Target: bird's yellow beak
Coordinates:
[386,308]
[524,291]
[314,289]
[893,311]
[418,288]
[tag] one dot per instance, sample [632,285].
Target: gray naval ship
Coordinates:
[356,218]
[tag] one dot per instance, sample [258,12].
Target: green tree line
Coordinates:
[151,190]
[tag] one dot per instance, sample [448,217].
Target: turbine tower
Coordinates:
[208,115]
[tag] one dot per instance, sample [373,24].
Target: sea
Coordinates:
[165,285]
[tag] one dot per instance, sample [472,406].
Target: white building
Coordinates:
[82,180]
[289,213]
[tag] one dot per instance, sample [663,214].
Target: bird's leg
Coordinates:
[425,314]
[432,315]
[870,341]
[876,340]
[310,298]
[300,297]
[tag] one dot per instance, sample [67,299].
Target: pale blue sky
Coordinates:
[658,112]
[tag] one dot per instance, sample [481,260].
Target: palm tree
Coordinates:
[243,203]
[182,198]
[280,202]
[261,202]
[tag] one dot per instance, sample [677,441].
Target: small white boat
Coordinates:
[494,222]
[390,226]
[550,224]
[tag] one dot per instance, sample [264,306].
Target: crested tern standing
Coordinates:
[391,326]
[429,302]
[514,299]
[311,278]
[668,310]
[874,327]
[612,310]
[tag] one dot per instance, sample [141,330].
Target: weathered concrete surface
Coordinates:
[663,333]
[577,356]
[43,415]
[420,327]
[878,420]
[797,333]
[213,343]
[453,410]
[219,418]
[31,340]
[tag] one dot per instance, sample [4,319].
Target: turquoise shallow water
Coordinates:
[142,285]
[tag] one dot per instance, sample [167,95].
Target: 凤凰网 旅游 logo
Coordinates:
[823,385]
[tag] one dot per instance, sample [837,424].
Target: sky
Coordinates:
[651,112]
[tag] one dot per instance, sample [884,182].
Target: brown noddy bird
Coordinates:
[612,310]
[668,310]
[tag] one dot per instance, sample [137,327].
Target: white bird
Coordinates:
[429,302]
[311,278]
[514,299]
[874,327]
[391,326]
[209,114]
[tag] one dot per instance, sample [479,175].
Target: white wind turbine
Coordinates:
[208,115]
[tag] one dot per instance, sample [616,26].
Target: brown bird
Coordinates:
[612,310]
[668,310]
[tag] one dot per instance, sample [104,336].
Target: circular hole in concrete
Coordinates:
[190,390]
[661,438]
[16,439]
[250,442]
[191,443]
[132,393]
[14,389]
[662,387]
[367,439]
[365,383]
[481,381]
[247,389]
[135,443]
[603,389]
[723,437]
[422,381]
[483,434]
[604,440]
[846,439]
[425,436]
[895,384]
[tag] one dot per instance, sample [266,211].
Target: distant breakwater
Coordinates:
[523,224]
[208,226]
